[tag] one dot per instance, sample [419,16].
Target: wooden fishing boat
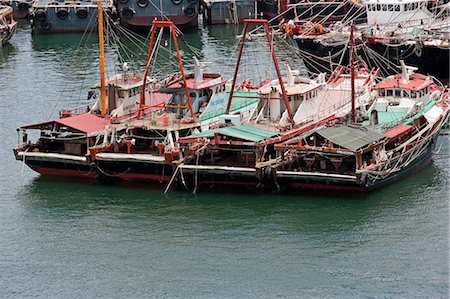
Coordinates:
[7,24]
[287,107]
[390,139]
[145,149]
[61,146]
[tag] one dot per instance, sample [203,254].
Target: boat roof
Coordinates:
[398,130]
[352,138]
[242,132]
[349,137]
[209,81]
[416,82]
[86,123]
[124,81]
[291,90]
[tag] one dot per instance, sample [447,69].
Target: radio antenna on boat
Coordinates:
[102,58]
[265,25]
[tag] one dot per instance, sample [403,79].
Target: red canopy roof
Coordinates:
[86,123]
[398,130]
[416,82]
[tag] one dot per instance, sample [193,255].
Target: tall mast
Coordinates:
[275,62]
[352,70]
[165,24]
[102,58]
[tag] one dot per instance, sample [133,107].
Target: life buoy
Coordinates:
[46,25]
[189,11]
[62,13]
[82,13]
[176,2]
[128,12]
[142,3]
[23,5]
[40,15]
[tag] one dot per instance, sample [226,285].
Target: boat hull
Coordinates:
[291,181]
[218,177]
[135,16]
[57,165]
[64,18]
[133,168]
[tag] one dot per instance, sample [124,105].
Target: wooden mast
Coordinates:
[352,70]
[102,58]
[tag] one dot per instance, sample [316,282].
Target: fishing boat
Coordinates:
[20,7]
[143,151]
[49,16]
[287,106]
[60,147]
[392,139]
[415,31]
[139,14]
[7,24]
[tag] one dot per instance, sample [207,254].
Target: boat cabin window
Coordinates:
[413,95]
[192,95]
[406,93]
[302,97]
[397,7]
[378,7]
[121,93]
[382,92]
[397,93]
[389,92]
[384,7]
[390,7]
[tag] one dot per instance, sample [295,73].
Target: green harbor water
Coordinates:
[67,239]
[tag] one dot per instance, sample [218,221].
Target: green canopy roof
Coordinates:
[241,132]
[352,138]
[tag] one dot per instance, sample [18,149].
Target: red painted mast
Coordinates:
[275,62]
[164,24]
[352,70]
